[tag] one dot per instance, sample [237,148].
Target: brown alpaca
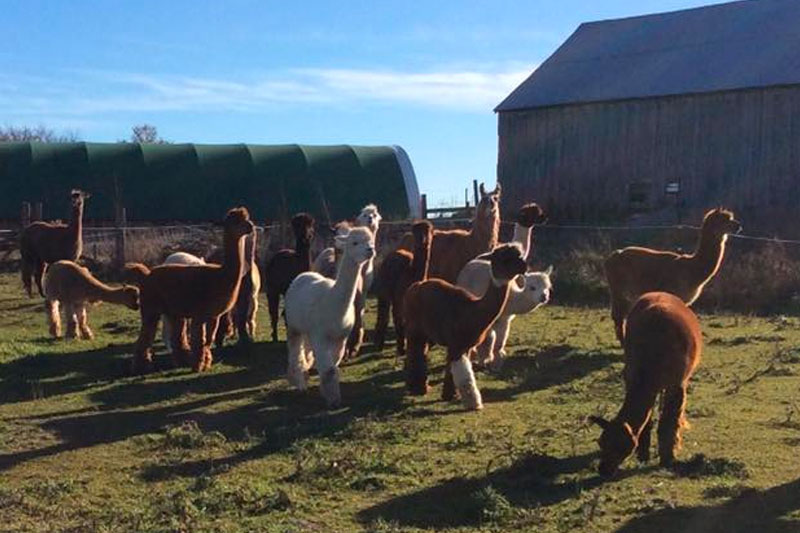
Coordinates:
[47,242]
[397,272]
[287,264]
[437,312]
[74,287]
[662,349]
[634,271]
[452,249]
[199,293]
[242,318]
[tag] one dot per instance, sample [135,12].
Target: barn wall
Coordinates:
[739,149]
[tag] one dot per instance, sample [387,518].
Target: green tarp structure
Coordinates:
[198,183]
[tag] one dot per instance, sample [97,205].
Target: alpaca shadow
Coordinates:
[555,365]
[54,374]
[753,510]
[532,481]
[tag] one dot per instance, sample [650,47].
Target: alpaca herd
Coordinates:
[460,289]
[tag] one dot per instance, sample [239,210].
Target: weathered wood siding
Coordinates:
[740,149]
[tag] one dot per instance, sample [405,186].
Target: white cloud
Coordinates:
[93,93]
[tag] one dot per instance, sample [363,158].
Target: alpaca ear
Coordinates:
[482,189]
[340,241]
[600,421]
[549,270]
[498,188]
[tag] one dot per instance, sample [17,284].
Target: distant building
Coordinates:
[199,182]
[661,115]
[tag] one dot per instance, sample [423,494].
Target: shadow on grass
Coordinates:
[753,510]
[555,365]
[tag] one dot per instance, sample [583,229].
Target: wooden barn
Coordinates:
[656,117]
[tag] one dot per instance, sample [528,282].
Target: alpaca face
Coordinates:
[537,288]
[617,442]
[358,245]
[423,233]
[77,197]
[721,222]
[303,226]
[489,205]
[507,262]
[530,214]
[369,217]
[237,223]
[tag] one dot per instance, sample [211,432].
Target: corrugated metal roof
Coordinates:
[738,45]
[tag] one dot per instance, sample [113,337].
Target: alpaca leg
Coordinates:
[643,447]
[464,380]
[212,329]
[381,323]
[224,330]
[296,370]
[26,271]
[326,354]
[53,318]
[619,309]
[38,274]
[167,332]
[72,320]
[198,343]
[83,321]
[273,299]
[178,340]
[502,329]
[449,391]
[251,319]
[485,350]
[143,355]
[670,424]
[356,336]
[399,329]
[417,365]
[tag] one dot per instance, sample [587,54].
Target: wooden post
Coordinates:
[424,203]
[120,221]
[475,191]
[37,211]
[25,214]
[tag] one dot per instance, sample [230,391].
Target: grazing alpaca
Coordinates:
[72,285]
[527,292]
[662,348]
[47,242]
[634,271]
[320,315]
[199,293]
[287,264]
[452,249]
[177,258]
[397,272]
[437,312]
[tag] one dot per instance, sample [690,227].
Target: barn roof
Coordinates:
[737,45]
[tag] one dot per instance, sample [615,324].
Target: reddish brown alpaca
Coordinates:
[199,293]
[634,271]
[241,320]
[42,243]
[437,312]
[397,272]
[662,349]
[287,264]
[452,249]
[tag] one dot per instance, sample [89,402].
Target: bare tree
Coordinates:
[146,134]
[37,133]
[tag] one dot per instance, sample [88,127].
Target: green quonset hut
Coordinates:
[196,182]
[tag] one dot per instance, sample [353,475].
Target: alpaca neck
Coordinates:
[637,407]
[491,304]
[97,291]
[419,264]
[233,258]
[708,256]
[303,249]
[346,284]
[115,296]
[76,222]
[484,233]
[522,236]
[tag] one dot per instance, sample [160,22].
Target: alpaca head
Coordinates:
[303,227]
[530,214]
[358,245]
[369,217]
[489,204]
[237,223]
[423,233]
[536,288]
[721,222]
[130,297]
[616,442]
[77,197]
[507,263]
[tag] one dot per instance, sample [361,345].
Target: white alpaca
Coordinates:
[72,285]
[320,315]
[528,292]
[369,217]
[177,258]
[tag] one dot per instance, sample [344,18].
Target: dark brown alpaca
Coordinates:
[662,349]
[634,271]
[287,264]
[452,249]
[437,312]
[42,243]
[397,272]
[198,293]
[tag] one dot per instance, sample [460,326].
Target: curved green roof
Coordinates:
[197,182]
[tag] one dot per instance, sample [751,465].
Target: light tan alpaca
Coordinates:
[74,286]
[634,271]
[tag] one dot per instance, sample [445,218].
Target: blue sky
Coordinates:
[424,75]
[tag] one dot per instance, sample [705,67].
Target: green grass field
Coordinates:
[86,447]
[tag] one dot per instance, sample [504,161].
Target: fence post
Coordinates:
[37,211]
[424,203]
[120,221]
[475,191]
[25,214]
